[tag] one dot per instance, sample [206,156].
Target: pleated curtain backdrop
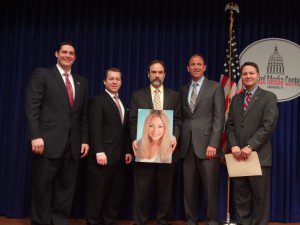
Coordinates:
[128,34]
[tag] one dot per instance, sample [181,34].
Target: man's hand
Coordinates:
[247,151]
[84,150]
[101,159]
[174,143]
[211,152]
[37,146]
[128,158]
[236,151]
[134,147]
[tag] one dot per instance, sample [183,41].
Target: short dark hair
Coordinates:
[253,64]
[154,62]
[196,54]
[113,69]
[64,43]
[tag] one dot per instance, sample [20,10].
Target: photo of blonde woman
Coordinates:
[154,144]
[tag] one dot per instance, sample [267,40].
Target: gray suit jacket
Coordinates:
[254,126]
[206,123]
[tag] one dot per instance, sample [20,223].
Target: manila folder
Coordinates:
[242,168]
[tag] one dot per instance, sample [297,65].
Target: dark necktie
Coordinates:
[247,100]
[69,90]
[117,101]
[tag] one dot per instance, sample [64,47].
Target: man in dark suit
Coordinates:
[158,97]
[56,111]
[109,140]
[202,126]
[251,122]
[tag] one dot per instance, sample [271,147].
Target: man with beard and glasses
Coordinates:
[157,97]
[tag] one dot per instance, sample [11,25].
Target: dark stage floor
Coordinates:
[7,221]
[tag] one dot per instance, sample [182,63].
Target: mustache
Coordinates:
[156,82]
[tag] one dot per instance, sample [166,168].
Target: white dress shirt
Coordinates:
[62,73]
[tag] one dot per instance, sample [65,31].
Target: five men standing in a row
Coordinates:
[60,129]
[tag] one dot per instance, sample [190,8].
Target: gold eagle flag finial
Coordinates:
[232,7]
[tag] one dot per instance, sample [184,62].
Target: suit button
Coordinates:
[242,125]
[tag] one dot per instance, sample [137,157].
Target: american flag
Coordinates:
[230,79]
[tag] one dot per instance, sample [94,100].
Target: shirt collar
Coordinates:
[199,82]
[152,89]
[111,94]
[61,71]
[253,90]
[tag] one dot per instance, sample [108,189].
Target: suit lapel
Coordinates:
[185,100]
[125,112]
[240,104]
[253,101]
[202,93]
[114,105]
[77,91]
[167,99]
[147,95]
[61,85]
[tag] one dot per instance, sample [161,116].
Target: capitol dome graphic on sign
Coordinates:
[275,64]
[279,65]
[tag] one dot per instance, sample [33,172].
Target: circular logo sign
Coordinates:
[279,66]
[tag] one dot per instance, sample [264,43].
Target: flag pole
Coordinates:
[231,7]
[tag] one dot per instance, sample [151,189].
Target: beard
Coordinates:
[156,82]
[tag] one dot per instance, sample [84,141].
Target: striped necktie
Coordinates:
[247,100]
[156,100]
[117,101]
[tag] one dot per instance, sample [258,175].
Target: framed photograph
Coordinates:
[154,135]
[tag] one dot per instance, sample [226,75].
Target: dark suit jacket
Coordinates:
[142,99]
[49,115]
[206,124]
[107,133]
[254,126]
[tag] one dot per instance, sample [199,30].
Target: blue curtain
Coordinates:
[128,34]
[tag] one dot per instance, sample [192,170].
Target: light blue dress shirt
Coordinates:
[198,87]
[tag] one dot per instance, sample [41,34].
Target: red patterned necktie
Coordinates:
[69,90]
[117,101]
[247,100]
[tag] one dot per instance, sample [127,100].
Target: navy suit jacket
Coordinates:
[49,115]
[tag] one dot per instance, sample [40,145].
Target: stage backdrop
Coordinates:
[128,34]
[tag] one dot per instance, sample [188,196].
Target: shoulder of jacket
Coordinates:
[141,90]
[171,91]
[213,83]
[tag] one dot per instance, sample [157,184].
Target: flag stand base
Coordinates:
[225,222]
[228,221]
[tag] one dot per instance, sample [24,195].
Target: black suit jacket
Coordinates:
[205,125]
[107,133]
[254,126]
[142,99]
[49,115]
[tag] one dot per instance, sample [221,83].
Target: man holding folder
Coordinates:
[251,122]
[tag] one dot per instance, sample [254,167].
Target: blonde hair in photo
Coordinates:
[165,144]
